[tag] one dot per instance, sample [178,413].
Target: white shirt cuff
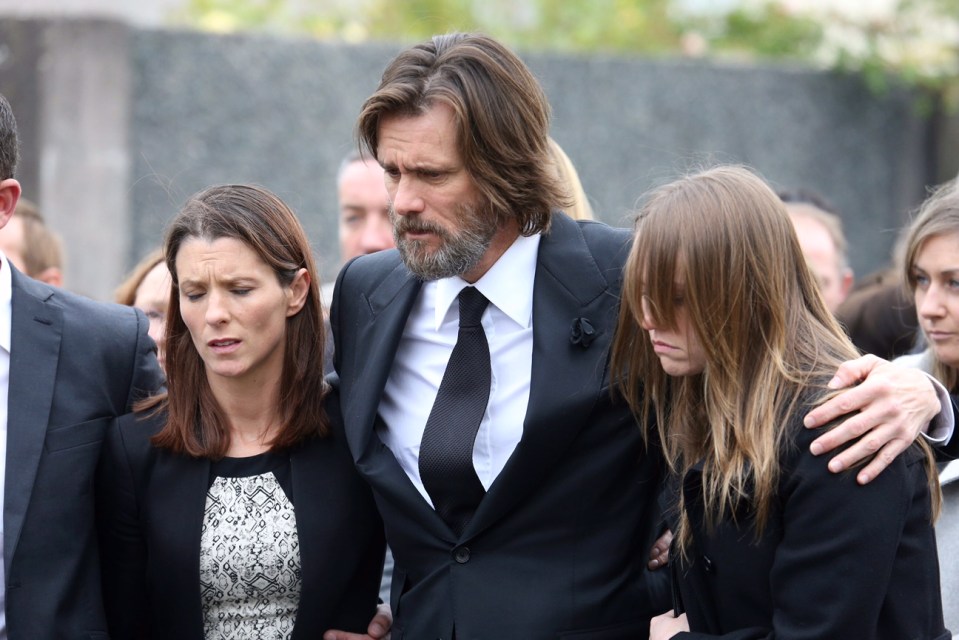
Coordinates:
[942,425]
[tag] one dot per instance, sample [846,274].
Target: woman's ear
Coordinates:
[298,290]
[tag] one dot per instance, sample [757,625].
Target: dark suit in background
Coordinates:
[557,547]
[74,366]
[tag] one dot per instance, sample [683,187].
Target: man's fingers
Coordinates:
[841,405]
[880,446]
[852,371]
[850,429]
[660,560]
[857,452]
[381,623]
[659,554]
[881,461]
[379,627]
[879,418]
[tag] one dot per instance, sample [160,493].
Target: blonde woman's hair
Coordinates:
[126,292]
[720,244]
[579,207]
[937,216]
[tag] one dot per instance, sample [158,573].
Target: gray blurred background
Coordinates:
[120,121]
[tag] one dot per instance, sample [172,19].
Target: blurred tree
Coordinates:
[916,42]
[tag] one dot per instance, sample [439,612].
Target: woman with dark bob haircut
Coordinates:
[229,504]
[723,326]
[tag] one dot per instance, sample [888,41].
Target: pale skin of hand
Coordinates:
[665,626]
[659,554]
[894,403]
[379,628]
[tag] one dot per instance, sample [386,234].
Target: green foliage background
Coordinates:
[757,30]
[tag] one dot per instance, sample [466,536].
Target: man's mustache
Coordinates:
[412,224]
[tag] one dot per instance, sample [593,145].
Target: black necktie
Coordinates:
[446,451]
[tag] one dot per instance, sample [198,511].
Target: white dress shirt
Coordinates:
[425,348]
[6,314]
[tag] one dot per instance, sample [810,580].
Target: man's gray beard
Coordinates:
[459,251]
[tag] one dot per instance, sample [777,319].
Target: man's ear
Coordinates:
[9,196]
[51,275]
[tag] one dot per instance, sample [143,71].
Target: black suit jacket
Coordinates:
[75,365]
[151,519]
[836,561]
[558,546]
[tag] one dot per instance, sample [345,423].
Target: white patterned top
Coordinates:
[249,559]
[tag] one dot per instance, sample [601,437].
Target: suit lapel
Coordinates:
[36,329]
[390,303]
[374,350]
[566,379]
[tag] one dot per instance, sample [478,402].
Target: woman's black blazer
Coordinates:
[150,511]
[836,559]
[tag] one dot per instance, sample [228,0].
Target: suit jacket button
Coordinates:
[461,554]
[708,565]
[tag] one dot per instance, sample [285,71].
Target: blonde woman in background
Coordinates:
[147,288]
[579,208]
[931,271]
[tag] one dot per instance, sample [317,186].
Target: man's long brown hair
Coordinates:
[501,113]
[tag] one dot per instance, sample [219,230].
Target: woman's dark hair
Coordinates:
[196,424]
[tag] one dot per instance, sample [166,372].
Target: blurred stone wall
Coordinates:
[120,124]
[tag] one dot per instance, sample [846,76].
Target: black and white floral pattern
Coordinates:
[249,560]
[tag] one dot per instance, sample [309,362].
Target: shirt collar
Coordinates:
[6,305]
[508,284]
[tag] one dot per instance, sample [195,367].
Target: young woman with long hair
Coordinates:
[724,336]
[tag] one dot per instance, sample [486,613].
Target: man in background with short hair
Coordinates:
[823,243]
[32,246]
[364,220]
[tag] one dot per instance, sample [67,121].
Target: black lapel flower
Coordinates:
[582,332]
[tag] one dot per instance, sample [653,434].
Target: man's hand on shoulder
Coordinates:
[887,410]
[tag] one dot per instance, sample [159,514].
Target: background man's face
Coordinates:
[11,242]
[823,259]
[364,210]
